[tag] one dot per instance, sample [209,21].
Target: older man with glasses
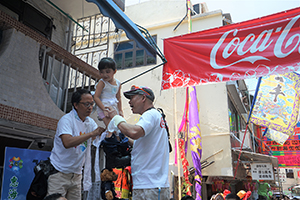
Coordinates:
[72,145]
[150,153]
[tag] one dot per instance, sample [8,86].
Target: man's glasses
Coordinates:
[87,104]
[134,87]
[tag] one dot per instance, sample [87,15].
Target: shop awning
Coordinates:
[252,157]
[109,9]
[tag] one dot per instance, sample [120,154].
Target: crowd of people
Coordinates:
[264,193]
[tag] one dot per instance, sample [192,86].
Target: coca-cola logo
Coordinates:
[282,46]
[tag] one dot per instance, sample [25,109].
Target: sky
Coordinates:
[241,10]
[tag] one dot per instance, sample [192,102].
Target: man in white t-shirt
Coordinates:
[72,147]
[150,153]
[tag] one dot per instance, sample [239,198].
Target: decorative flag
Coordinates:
[259,47]
[276,136]
[182,143]
[183,125]
[185,165]
[277,103]
[195,139]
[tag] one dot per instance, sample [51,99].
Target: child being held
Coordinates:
[108,94]
[107,90]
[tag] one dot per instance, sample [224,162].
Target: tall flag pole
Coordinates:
[182,146]
[195,139]
[189,15]
[188,3]
[177,150]
[194,126]
[251,109]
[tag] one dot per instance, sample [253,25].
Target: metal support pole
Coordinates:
[89,87]
[76,79]
[83,80]
[67,88]
[51,73]
[59,81]
[43,61]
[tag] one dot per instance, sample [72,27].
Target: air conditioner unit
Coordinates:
[196,9]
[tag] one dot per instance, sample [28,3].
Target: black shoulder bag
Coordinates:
[38,186]
[166,125]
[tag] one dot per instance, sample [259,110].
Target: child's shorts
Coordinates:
[100,112]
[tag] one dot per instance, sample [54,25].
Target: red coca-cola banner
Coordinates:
[254,48]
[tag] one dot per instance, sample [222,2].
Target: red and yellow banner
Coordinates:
[254,48]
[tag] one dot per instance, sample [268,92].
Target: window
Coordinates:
[289,173]
[29,16]
[234,119]
[127,55]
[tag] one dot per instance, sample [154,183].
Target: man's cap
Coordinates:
[140,90]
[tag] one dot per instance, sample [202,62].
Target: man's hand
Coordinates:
[97,132]
[70,141]
[111,112]
[105,111]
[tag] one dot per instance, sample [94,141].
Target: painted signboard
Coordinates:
[262,171]
[18,171]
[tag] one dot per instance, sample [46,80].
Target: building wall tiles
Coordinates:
[26,117]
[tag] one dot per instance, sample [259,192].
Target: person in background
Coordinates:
[187,197]
[270,195]
[262,190]
[150,153]
[72,147]
[218,196]
[232,196]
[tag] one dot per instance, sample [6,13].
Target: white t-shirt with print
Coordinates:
[72,159]
[150,153]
